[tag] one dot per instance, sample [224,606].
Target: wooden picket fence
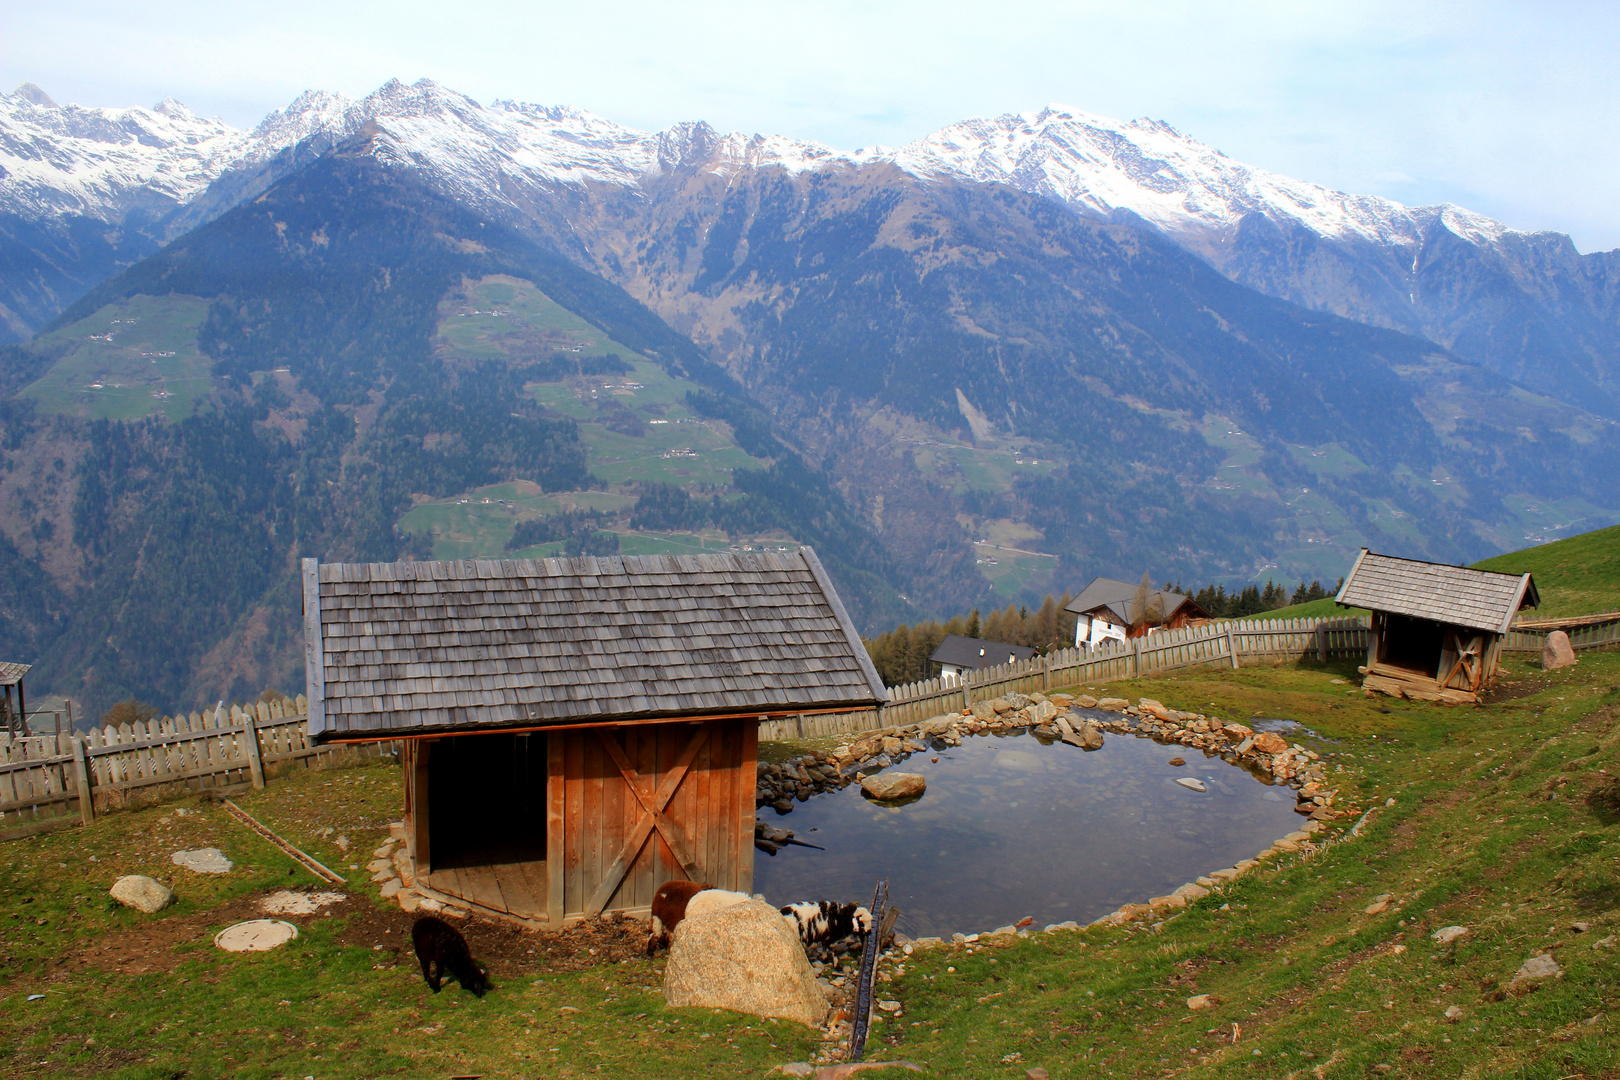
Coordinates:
[1581,637]
[1228,644]
[52,781]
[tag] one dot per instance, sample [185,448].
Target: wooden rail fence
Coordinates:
[1228,644]
[51,781]
[1232,643]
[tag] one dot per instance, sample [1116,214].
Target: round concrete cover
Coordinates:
[255,935]
[208,860]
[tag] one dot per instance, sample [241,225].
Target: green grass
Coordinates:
[1506,820]
[149,365]
[1575,576]
[481,525]
[528,321]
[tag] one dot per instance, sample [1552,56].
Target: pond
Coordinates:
[1010,827]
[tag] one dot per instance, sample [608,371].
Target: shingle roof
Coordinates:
[1478,599]
[1119,599]
[528,642]
[11,674]
[974,653]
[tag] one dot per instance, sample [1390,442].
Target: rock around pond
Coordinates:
[889,787]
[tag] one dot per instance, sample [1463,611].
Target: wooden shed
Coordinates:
[576,732]
[1437,630]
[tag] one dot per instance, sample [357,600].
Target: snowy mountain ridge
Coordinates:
[103,163]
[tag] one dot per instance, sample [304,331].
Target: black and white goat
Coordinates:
[823,922]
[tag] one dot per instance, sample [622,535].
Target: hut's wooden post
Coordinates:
[556,822]
[421,801]
[81,777]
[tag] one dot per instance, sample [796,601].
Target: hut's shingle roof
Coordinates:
[485,643]
[11,674]
[1478,599]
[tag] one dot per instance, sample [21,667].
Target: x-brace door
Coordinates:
[1470,660]
[653,805]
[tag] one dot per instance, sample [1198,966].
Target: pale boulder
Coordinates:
[1557,652]
[746,959]
[142,893]
[888,786]
[1113,704]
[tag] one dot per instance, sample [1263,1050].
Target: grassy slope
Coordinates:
[1494,827]
[1574,576]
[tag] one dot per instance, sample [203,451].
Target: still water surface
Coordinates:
[1009,827]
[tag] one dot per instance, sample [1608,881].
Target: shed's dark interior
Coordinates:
[1413,644]
[487,799]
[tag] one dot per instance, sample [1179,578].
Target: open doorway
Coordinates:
[1413,645]
[488,800]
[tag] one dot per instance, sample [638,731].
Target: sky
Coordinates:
[1509,109]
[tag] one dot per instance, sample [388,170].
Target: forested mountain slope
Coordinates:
[152,548]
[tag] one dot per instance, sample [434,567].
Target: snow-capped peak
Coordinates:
[1146,167]
[100,162]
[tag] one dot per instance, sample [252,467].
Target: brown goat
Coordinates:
[668,909]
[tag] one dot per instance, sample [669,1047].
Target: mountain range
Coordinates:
[1011,355]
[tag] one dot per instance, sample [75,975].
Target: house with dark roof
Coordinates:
[957,654]
[576,732]
[1110,610]
[1437,630]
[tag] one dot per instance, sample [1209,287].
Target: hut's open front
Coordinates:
[575,733]
[1437,630]
[555,826]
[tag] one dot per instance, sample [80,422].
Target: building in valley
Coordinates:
[958,654]
[1110,610]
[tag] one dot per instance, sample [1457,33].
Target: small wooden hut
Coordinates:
[576,732]
[15,716]
[1437,630]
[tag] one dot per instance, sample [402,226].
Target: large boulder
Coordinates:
[744,958]
[1113,704]
[1557,652]
[901,785]
[142,893]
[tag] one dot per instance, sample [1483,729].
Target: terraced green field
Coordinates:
[132,359]
[636,427]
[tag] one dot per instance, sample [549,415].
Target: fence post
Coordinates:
[250,742]
[1231,645]
[81,777]
[1046,674]
[967,697]
[1136,657]
[1321,643]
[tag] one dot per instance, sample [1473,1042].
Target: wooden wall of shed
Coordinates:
[592,811]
